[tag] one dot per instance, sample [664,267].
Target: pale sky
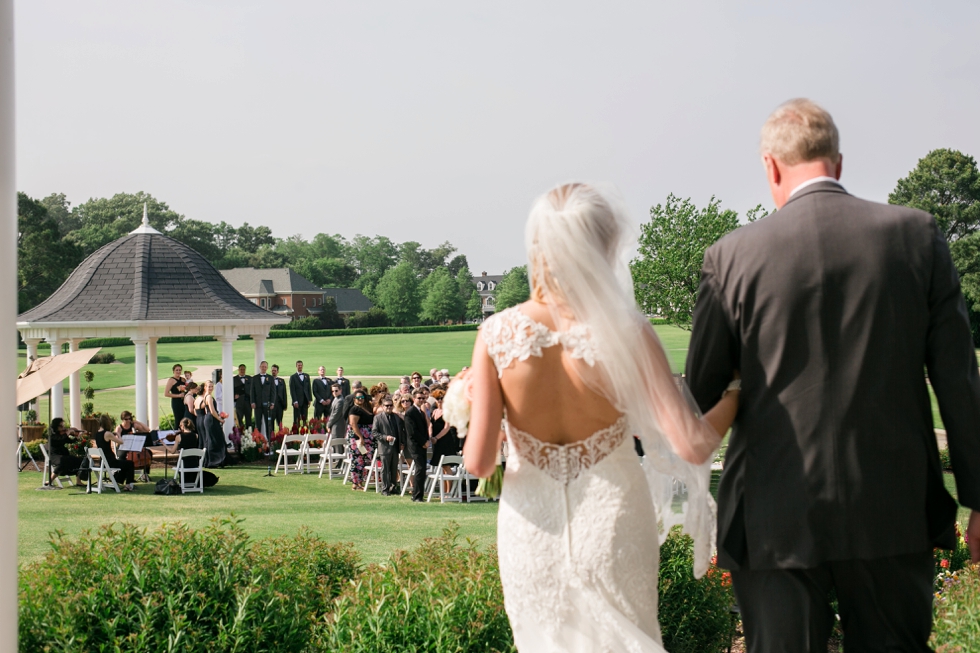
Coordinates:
[435,121]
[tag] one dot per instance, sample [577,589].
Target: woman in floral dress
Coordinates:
[359,435]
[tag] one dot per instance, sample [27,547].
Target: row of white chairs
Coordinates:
[330,451]
[102,475]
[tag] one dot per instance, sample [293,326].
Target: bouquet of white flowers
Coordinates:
[456,409]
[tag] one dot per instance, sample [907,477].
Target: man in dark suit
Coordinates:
[342,382]
[280,403]
[301,392]
[262,395]
[416,441]
[831,308]
[242,384]
[389,432]
[322,396]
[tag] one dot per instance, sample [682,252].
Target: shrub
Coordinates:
[374,317]
[944,459]
[442,597]
[956,626]
[34,447]
[178,589]
[167,422]
[303,324]
[695,615]
[101,358]
[948,562]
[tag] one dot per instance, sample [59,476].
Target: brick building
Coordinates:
[286,292]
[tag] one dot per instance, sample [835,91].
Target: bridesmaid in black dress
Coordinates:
[213,436]
[444,439]
[175,389]
[199,412]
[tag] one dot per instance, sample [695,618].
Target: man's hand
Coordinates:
[973,535]
[253,406]
[295,404]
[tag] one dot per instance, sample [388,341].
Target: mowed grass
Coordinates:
[278,505]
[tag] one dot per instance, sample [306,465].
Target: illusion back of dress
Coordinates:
[577,530]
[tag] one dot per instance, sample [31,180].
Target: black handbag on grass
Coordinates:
[167,486]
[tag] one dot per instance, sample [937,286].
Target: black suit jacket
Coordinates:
[300,391]
[385,425]
[344,386]
[416,430]
[321,390]
[832,309]
[242,386]
[262,393]
[280,392]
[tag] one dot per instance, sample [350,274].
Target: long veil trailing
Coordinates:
[585,263]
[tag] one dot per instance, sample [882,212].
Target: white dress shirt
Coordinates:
[810,182]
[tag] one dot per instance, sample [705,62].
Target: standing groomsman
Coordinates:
[263,399]
[302,394]
[342,382]
[242,385]
[321,394]
[280,394]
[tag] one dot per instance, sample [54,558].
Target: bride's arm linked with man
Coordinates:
[815,334]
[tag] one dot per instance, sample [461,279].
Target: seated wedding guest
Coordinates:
[185,438]
[128,426]
[190,395]
[62,462]
[104,438]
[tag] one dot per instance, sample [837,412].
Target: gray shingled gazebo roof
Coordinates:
[144,286]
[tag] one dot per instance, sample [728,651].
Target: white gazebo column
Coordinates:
[58,389]
[228,382]
[153,385]
[140,379]
[75,389]
[259,352]
[32,344]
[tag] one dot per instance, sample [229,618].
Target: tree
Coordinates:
[59,209]
[330,318]
[667,270]
[371,258]
[945,183]
[103,220]
[398,294]
[44,259]
[512,289]
[469,295]
[441,299]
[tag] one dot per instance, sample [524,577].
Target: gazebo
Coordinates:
[144,286]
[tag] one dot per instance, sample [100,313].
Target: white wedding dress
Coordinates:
[577,529]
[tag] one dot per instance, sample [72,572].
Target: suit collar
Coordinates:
[819,187]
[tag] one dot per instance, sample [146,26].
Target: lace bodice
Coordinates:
[565,462]
[511,335]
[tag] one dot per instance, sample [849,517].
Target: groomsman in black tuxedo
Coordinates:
[301,392]
[280,395]
[416,441]
[263,399]
[322,396]
[242,386]
[388,432]
[342,382]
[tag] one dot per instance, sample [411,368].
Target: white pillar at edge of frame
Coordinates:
[58,389]
[32,344]
[259,352]
[75,389]
[140,379]
[227,382]
[153,385]
[8,328]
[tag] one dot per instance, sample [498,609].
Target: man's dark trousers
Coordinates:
[417,455]
[388,453]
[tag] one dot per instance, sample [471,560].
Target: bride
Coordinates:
[569,377]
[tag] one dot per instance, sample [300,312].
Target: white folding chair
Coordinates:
[471,497]
[311,450]
[407,475]
[285,452]
[47,472]
[454,478]
[101,471]
[333,459]
[374,473]
[182,469]
[348,463]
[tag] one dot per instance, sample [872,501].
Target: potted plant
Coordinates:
[90,419]
[31,429]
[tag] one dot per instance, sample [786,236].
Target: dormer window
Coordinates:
[491,285]
[479,285]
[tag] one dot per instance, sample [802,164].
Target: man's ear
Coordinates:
[839,167]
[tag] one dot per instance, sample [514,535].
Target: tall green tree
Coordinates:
[397,293]
[44,259]
[667,269]
[468,294]
[513,289]
[945,183]
[103,220]
[371,258]
[441,301]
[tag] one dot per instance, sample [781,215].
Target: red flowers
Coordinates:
[944,563]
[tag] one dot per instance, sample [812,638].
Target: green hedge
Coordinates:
[956,626]
[177,589]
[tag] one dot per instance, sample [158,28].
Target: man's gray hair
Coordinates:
[800,130]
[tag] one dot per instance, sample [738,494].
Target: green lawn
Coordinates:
[270,506]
